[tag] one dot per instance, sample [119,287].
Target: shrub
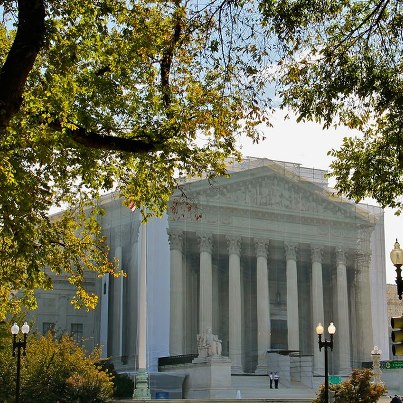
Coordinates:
[55,370]
[357,389]
[123,384]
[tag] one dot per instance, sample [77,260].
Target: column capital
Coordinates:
[341,256]
[175,239]
[261,247]
[291,249]
[234,244]
[316,254]
[205,242]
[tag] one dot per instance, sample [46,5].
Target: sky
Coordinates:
[308,144]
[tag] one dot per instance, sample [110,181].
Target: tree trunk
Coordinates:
[27,43]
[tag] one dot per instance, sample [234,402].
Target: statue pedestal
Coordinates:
[207,378]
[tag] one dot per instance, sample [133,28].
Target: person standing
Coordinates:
[276,377]
[271,380]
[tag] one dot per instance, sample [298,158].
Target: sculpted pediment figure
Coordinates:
[266,189]
[273,191]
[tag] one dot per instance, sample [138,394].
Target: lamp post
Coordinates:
[18,345]
[396,256]
[326,344]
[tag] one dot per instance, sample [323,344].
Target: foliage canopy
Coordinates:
[109,95]
[342,64]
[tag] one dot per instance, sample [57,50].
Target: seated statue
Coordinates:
[208,344]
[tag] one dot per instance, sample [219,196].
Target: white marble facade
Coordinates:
[260,258]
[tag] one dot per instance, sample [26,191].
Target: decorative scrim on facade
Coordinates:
[364,239]
[362,263]
[184,207]
[363,260]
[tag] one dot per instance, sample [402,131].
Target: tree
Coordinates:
[115,95]
[55,370]
[341,64]
[357,389]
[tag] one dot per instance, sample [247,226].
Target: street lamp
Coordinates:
[19,345]
[326,343]
[396,256]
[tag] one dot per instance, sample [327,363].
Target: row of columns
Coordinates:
[177,340]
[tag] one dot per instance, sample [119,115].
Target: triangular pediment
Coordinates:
[274,189]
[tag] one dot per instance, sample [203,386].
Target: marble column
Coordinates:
[364,312]
[142,381]
[235,304]
[342,338]
[117,317]
[292,296]
[317,306]
[177,325]
[104,319]
[206,282]
[263,305]
[132,293]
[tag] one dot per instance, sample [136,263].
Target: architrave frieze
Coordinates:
[277,227]
[211,214]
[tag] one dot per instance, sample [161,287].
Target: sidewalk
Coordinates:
[252,387]
[255,389]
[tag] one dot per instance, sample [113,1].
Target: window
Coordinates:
[77,332]
[48,327]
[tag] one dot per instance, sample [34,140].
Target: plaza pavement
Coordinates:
[252,387]
[255,389]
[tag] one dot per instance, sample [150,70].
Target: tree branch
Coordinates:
[112,143]
[28,41]
[379,7]
[166,62]
[100,141]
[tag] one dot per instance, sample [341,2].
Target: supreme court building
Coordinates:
[260,257]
